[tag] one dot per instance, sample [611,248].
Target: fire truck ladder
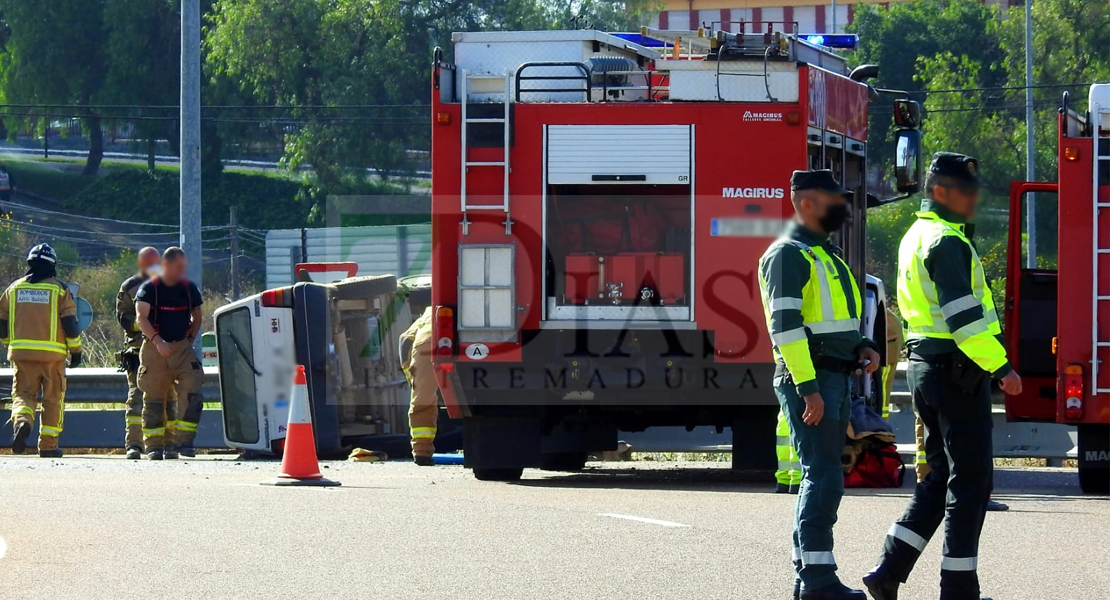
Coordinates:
[1101,245]
[502,164]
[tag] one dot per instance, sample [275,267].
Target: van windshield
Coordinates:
[237,383]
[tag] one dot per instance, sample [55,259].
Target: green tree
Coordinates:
[54,55]
[898,37]
[142,55]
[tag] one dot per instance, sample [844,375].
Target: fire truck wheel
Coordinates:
[358,288]
[1094,459]
[498,474]
[563,461]
[1094,481]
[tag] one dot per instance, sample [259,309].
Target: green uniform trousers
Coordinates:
[954,405]
[819,448]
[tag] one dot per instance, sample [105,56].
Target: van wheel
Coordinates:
[498,474]
[358,288]
[563,461]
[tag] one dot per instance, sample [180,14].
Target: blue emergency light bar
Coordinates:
[839,41]
[642,40]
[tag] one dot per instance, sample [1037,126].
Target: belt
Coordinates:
[943,358]
[825,363]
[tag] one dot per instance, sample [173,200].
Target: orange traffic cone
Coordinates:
[299,465]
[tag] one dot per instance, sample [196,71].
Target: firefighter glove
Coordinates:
[74,360]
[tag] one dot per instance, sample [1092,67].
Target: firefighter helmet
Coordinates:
[43,252]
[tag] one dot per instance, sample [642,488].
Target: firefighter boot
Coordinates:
[187,451]
[170,453]
[881,584]
[424,461]
[19,437]
[51,453]
[155,454]
[134,452]
[836,591]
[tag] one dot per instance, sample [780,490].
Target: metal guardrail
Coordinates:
[104,427]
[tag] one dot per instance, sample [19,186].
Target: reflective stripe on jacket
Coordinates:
[34,312]
[943,293]
[810,299]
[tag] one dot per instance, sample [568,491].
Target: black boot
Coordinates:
[187,451]
[797,590]
[55,453]
[170,453]
[155,455]
[836,591]
[424,461]
[134,453]
[881,584]
[782,488]
[19,437]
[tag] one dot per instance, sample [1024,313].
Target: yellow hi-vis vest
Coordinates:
[919,301]
[34,312]
[823,304]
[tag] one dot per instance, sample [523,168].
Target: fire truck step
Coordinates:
[489,120]
[494,163]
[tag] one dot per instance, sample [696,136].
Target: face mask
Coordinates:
[834,217]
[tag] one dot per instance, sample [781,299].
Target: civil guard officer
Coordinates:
[953,339]
[813,308]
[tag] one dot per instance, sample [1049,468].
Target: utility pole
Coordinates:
[1030,155]
[834,17]
[190,138]
[233,231]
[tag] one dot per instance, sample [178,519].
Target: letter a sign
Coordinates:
[477,351]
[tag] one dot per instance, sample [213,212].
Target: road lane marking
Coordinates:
[643,520]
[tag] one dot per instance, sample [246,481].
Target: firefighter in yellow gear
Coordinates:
[788,475]
[416,361]
[38,323]
[169,315]
[893,355]
[148,259]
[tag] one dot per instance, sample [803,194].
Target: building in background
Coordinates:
[812,16]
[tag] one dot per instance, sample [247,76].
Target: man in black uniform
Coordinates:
[168,308]
[148,259]
[954,341]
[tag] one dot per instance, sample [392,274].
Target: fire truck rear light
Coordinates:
[443,118]
[793,118]
[1073,392]
[444,331]
[1071,154]
[280,298]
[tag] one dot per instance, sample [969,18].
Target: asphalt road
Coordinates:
[102,527]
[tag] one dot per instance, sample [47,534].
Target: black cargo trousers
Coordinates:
[953,398]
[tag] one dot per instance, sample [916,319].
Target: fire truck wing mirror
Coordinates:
[907,114]
[907,161]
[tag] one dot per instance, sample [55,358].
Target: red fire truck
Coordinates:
[1058,314]
[599,205]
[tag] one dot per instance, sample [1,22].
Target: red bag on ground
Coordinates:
[877,466]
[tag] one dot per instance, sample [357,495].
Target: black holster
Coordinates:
[966,374]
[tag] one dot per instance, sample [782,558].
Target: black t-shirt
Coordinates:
[170,306]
